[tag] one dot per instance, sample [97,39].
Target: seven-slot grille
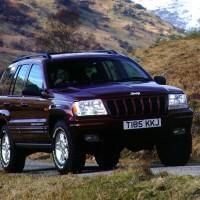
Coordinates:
[137,106]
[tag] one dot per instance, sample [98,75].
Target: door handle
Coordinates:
[24,104]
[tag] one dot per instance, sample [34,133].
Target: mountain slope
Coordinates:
[177,60]
[116,24]
[183,14]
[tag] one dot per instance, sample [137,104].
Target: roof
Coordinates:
[61,55]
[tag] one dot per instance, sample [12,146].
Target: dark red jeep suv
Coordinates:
[89,103]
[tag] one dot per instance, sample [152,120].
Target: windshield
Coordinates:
[93,70]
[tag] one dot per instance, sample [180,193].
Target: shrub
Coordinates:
[195,32]
[130,13]
[125,45]
[195,105]
[21,45]
[61,34]
[1,42]
[140,7]
[175,37]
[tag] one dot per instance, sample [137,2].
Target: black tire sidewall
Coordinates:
[175,150]
[107,162]
[107,158]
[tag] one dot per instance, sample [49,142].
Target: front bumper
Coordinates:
[107,125]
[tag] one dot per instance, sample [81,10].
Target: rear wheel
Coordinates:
[12,160]
[68,155]
[175,150]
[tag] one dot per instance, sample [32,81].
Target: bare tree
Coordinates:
[61,34]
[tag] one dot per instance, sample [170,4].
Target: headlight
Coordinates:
[177,101]
[89,107]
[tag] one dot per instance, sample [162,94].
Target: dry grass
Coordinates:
[144,25]
[177,60]
[195,104]
[125,183]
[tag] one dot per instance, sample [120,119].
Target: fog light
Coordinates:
[91,138]
[179,131]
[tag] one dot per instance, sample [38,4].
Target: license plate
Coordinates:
[138,124]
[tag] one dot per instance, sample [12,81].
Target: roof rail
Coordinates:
[93,51]
[24,57]
[105,51]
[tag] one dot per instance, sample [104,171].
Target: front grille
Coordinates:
[137,106]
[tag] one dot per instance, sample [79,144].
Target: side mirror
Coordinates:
[31,90]
[160,80]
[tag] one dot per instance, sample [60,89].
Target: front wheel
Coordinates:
[68,155]
[108,154]
[12,160]
[175,150]
[107,161]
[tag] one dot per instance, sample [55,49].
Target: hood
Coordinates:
[114,90]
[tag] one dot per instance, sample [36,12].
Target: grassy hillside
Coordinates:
[177,60]
[123,26]
[116,24]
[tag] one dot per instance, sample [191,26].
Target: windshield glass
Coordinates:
[93,70]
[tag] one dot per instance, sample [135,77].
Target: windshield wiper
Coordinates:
[133,79]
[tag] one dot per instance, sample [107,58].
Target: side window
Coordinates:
[18,81]
[6,79]
[35,77]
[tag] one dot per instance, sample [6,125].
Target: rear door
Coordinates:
[11,100]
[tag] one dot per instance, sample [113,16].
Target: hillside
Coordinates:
[182,14]
[116,24]
[177,60]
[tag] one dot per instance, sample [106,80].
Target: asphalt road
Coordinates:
[48,169]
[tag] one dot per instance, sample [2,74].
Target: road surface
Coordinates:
[48,169]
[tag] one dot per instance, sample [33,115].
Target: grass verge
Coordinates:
[122,184]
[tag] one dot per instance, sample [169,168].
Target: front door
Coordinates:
[34,127]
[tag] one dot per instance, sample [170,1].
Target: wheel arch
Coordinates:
[54,118]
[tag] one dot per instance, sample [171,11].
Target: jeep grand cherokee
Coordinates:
[89,103]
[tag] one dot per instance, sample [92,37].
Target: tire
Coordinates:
[12,160]
[107,162]
[108,156]
[68,156]
[175,150]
